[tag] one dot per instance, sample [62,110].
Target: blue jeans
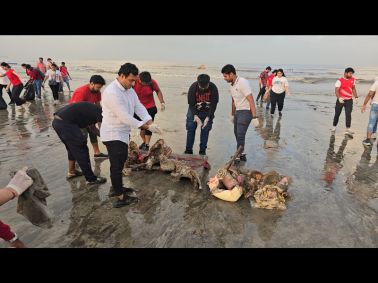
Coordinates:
[373,118]
[37,84]
[191,130]
[242,119]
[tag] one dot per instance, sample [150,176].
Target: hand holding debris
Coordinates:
[20,181]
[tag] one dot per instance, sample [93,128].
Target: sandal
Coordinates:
[76,174]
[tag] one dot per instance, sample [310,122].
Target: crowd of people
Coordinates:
[128,102]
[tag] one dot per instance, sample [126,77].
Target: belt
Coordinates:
[57,117]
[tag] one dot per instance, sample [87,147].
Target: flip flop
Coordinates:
[77,174]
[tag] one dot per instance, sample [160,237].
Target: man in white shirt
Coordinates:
[119,104]
[373,118]
[243,106]
[4,81]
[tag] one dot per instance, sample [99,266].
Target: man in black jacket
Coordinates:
[203,98]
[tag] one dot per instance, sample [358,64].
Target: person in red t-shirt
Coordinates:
[345,89]
[41,65]
[65,76]
[35,76]
[145,87]
[17,185]
[262,82]
[15,80]
[91,93]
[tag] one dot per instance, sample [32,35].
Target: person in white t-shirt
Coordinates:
[4,81]
[55,79]
[280,87]
[243,107]
[373,118]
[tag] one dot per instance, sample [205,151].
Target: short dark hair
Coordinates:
[349,69]
[5,65]
[274,71]
[63,63]
[228,69]
[23,65]
[97,79]
[28,66]
[49,59]
[55,65]
[203,80]
[127,69]
[145,77]
[268,68]
[40,58]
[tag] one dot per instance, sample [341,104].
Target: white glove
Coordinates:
[232,119]
[162,106]
[155,129]
[20,181]
[341,100]
[205,122]
[255,122]
[197,120]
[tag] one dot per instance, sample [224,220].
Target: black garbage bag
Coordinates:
[29,93]
[3,104]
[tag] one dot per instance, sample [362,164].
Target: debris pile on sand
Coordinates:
[160,157]
[267,190]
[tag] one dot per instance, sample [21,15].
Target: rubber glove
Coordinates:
[197,120]
[155,129]
[20,181]
[255,122]
[205,122]
[162,106]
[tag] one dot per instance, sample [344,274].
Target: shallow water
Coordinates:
[326,210]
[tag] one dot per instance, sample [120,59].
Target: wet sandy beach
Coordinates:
[172,214]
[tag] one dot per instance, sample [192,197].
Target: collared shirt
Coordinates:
[240,90]
[118,108]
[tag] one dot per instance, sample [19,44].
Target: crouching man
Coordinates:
[67,124]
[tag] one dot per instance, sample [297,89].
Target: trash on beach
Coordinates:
[160,157]
[32,203]
[267,190]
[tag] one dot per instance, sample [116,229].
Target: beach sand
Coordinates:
[339,213]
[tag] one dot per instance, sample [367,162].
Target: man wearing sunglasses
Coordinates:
[203,98]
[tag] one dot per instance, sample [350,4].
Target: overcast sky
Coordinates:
[330,50]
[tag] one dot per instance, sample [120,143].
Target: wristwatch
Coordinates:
[15,238]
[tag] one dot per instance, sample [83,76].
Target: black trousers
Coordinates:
[261,93]
[348,104]
[55,91]
[16,91]
[276,98]
[117,152]
[152,111]
[76,145]
[9,92]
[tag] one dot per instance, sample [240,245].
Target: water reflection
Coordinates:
[332,164]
